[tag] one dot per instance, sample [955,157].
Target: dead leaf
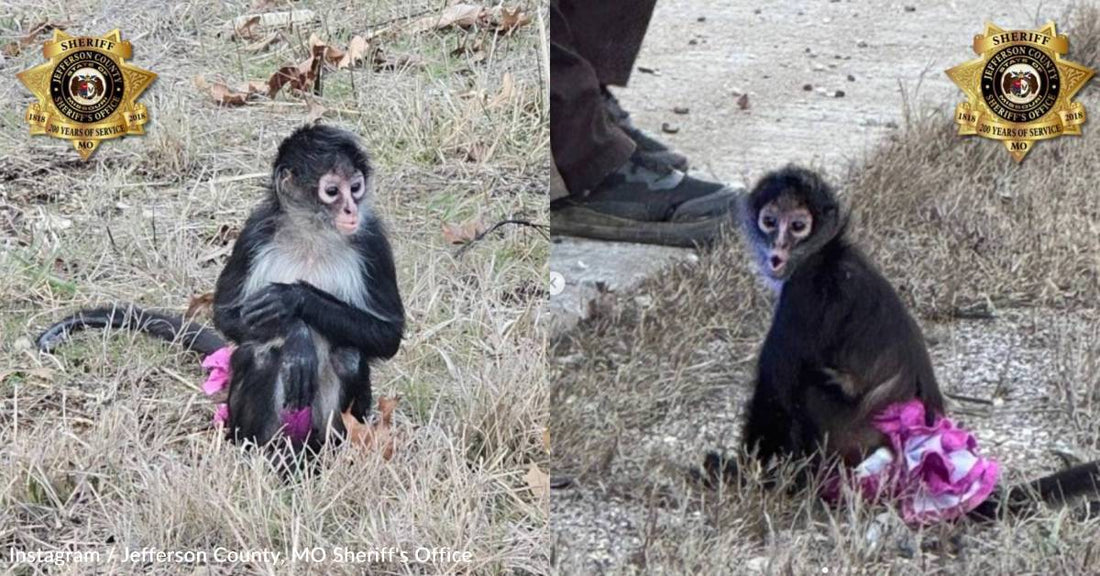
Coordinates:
[328,53]
[383,61]
[743,102]
[510,20]
[464,232]
[287,75]
[253,87]
[247,30]
[227,96]
[461,15]
[538,482]
[507,90]
[378,436]
[357,50]
[272,20]
[203,304]
[305,77]
[502,20]
[314,110]
[474,50]
[262,44]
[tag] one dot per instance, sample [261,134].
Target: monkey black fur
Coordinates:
[309,295]
[841,346]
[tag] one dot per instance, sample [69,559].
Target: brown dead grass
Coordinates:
[108,445]
[958,227]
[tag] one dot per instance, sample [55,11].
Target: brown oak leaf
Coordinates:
[377,436]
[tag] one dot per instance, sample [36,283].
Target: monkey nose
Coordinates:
[776,262]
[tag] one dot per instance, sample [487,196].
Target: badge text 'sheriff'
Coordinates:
[86,91]
[1019,90]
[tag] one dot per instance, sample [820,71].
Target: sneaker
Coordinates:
[650,147]
[648,202]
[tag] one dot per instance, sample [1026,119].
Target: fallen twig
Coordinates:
[972,399]
[541,228]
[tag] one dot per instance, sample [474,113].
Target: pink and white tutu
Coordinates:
[935,473]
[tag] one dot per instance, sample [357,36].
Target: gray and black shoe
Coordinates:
[649,147]
[647,202]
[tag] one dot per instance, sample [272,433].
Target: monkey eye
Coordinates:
[798,226]
[767,223]
[356,189]
[329,193]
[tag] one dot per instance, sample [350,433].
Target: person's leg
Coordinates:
[616,193]
[609,35]
[587,146]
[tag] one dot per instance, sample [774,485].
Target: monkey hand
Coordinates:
[269,312]
[298,368]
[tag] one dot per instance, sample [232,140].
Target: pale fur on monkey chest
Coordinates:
[327,261]
[330,263]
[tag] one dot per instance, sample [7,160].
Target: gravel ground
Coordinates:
[1009,361]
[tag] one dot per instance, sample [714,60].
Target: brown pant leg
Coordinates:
[585,143]
[609,34]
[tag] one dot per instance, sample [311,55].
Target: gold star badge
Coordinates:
[1019,90]
[86,92]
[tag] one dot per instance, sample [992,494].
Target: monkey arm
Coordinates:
[374,330]
[228,301]
[377,336]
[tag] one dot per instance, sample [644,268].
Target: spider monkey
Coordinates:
[841,347]
[309,295]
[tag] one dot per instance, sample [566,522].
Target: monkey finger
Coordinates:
[266,298]
[299,369]
[263,314]
[257,300]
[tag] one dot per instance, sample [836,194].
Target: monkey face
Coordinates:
[321,175]
[342,194]
[790,214]
[783,224]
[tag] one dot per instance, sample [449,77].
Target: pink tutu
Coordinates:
[296,423]
[935,472]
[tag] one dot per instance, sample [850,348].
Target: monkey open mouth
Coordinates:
[777,263]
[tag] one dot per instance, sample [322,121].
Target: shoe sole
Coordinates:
[724,201]
[584,223]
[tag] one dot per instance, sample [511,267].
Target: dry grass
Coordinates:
[108,445]
[641,391]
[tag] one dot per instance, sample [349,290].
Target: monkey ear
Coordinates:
[280,179]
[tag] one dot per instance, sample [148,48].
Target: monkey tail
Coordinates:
[1061,487]
[193,336]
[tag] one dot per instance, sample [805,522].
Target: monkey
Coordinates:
[841,348]
[308,295]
